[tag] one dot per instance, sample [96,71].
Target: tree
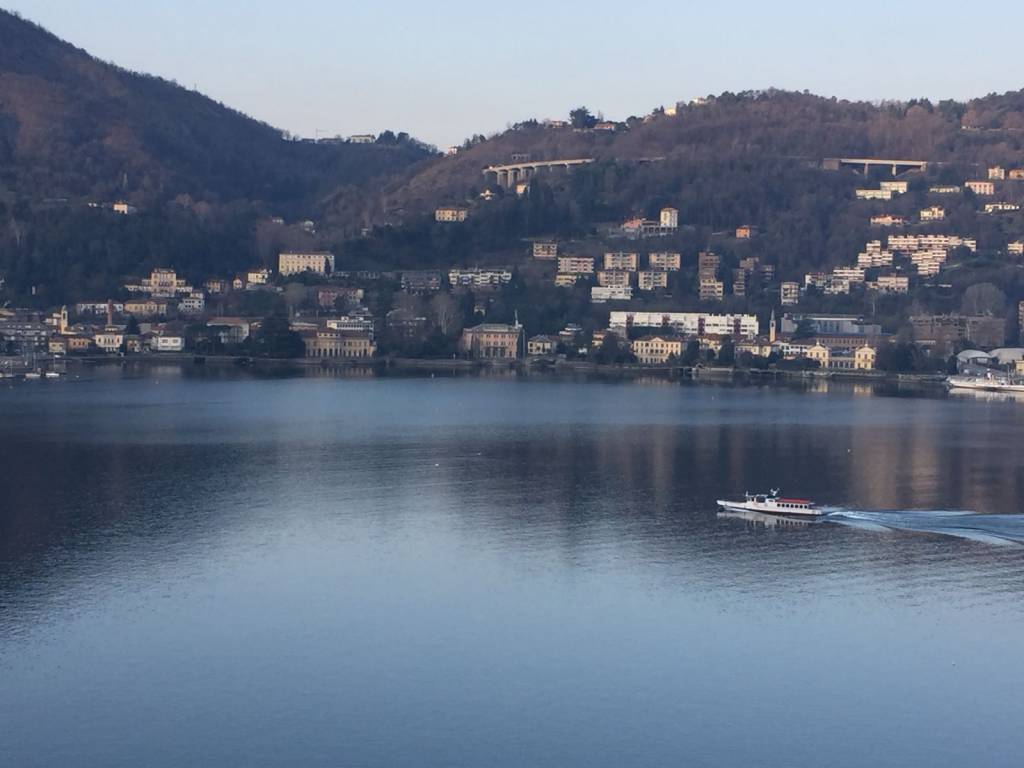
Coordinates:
[727,354]
[582,118]
[804,329]
[444,312]
[275,338]
[692,353]
[131,327]
[984,299]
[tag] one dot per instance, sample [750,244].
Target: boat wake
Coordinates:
[1003,530]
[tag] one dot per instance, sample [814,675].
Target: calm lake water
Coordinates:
[220,570]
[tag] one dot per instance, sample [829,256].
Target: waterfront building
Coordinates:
[540,345]
[492,341]
[335,343]
[167,343]
[657,350]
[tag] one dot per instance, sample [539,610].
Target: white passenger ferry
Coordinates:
[986,383]
[772,504]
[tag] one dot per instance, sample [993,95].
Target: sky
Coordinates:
[446,70]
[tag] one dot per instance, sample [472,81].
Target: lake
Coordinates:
[208,568]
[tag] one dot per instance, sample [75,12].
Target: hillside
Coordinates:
[71,125]
[759,129]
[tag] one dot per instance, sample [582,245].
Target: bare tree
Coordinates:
[983,299]
[444,313]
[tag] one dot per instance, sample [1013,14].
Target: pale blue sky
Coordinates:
[445,70]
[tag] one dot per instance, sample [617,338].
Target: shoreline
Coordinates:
[529,366]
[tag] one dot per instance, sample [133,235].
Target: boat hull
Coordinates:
[983,384]
[769,509]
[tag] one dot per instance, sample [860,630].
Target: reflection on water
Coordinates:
[202,567]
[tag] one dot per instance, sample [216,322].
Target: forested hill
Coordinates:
[73,126]
[753,129]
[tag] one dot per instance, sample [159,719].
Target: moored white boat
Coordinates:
[772,504]
[987,383]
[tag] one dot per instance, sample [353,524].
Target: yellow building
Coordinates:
[656,350]
[347,345]
[621,260]
[492,341]
[864,358]
[451,213]
[540,345]
[566,280]
[820,353]
[295,263]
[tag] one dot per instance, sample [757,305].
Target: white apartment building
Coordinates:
[1001,207]
[258,277]
[871,258]
[291,263]
[929,263]
[599,294]
[815,280]
[944,190]
[896,187]
[668,260]
[890,284]
[688,323]
[933,213]
[850,274]
[910,243]
[451,213]
[479,278]
[1017,248]
[888,220]
[835,286]
[167,344]
[669,218]
[651,279]
[576,265]
[193,305]
[997,173]
[873,194]
[545,250]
